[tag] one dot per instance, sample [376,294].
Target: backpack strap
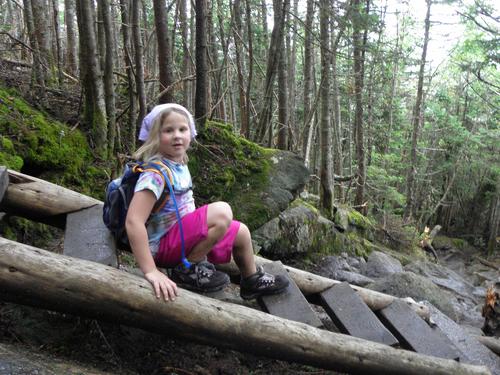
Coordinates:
[165,173]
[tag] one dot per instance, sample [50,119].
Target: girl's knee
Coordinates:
[219,213]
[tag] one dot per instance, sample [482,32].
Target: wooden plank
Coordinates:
[415,334]
[291,304]
[4,181]
[352,316]
[87,237]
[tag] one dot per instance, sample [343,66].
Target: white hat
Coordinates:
[148,120]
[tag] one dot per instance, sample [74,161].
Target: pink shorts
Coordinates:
[195,228]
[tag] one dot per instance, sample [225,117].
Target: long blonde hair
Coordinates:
[150,149]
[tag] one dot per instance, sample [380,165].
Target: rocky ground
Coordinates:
[35,341]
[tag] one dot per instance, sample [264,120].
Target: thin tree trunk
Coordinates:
[42,34]
[109,89]
[358,53]
[416,120]
[164,52]
[293,132]
[250,65]
[493,239]
[201,64]
[186,61]
[139,65]
[308,60]
[326,194]
[128,136]
[264,124]
[95,107]
[283,93]
[237,31]
[71,46]
[57,40]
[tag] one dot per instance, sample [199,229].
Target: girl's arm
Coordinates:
[138,213]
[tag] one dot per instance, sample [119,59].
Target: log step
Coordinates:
[86,237]
[291,304]
[415,334]
[352,316]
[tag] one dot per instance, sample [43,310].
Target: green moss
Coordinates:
[300,202]
[360,221]
[459,243]
[227,167]
[33,143]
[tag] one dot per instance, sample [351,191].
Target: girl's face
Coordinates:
[175,137]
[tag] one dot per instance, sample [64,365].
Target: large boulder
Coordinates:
[297,230]
[258,183]
[343,268]
[380,264]
[408,284]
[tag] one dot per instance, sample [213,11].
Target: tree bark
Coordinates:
[326,194]
[283,89]
[164,53]
[201,64]
[186,60]
[127,135]
[42,34]
[308,83]
[493,238]
[94,104]
[139,64]
[71,46]
[40,278]
[416,121]
[109,87]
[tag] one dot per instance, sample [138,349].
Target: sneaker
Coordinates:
[200,277]
[262,283]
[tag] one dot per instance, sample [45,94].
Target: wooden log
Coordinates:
[40,200]
[37,277]
[311,284]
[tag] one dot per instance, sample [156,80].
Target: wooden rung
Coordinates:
[291,304]
[86,237]
[352,316]
[415,334]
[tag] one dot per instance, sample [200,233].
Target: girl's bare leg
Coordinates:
[243,252]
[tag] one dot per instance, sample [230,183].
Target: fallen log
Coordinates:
[311,284]
[41,200]
[491,343]
[40,278]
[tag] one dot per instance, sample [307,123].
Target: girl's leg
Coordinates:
[243,252]
[219,217]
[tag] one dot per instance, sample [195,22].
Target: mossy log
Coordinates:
[40,200]
[40,278]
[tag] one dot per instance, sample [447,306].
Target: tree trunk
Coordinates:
[416,121]
[43,279]
[71,46]
[94,104]
[293,128]
[283,89]
[358,53]
[57,41]
[186,60]
[264,124]
[237,31]
[201,64]
[326,194]
[493,238]
[128,130]
[164,53]
[250,66]
[37,74]
[109,88]
[308,77]
[139,64]
[42,34]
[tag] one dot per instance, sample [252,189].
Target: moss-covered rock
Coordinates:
[32,143]
[259,183]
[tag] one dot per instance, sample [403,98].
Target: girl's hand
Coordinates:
[162,285]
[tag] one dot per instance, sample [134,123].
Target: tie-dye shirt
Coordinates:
[160,222]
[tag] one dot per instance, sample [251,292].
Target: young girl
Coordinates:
[210,233]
